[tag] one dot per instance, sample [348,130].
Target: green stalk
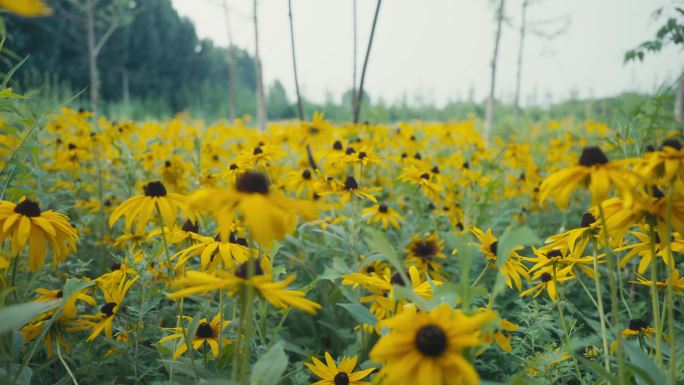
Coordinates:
[247,315]
[602,314]
[612,270]
[669,295]
[654,299]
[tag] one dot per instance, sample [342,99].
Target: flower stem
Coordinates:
[615,313]
[61,359]
[602,314]
[669,295]
[654,299]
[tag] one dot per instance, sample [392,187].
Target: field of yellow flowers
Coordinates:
[318,253]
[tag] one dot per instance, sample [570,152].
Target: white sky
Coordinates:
[436,50]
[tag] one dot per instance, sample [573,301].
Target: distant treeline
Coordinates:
[154,65]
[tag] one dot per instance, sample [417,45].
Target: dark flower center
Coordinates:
[115,267]
[431,340]
[417,156]
[350,183]
[72,146]
[306,174]
[425,176]
[59,294]
[587,220]
[363,155]
[233,166]
[404,155]
[204,330]
[341,378]
[233,238]
[546,277]
[674,143]
[424,250]
[656,193]
[242,270]
[397,280]
[591,156]
[167,163]
[466,165]
[28,207]
[190,227]
[108,308]
[370,269]
[382,208]
[155,189]
[252,182]
[554,254]
[637,324]
[337,145]
[435,170]
[257,151]
[493,247]
[350,150]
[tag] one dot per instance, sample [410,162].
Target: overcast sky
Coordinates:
[438,50]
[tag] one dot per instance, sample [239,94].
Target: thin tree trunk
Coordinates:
[300,108]
[489,122]
[354,57]
[679,100]
[359,97]
[232,99]
[126,89]
[92,55]
[261,100]
[518,77]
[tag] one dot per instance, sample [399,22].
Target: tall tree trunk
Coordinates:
[359,97]
[300,108]
[232,98]
[354,57]
[126,90]
[261,100]
[92,55]
[518,77]
[489,122]
[679,100]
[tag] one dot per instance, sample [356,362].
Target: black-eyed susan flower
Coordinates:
[230,252]
[513,270]
[546,282]
[331,374]
[383,214]
[677,282]
[208,332]
[25,223]
[594,168]
[424,180]
[427,347]
[425,253]
[642,248]
[69,309]
[275,292]
[140,209]
[114,295]
[637,329]
[351,188]
[266,214]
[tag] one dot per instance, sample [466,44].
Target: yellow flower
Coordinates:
[351,188]
[546,282]
[231,253]
[424,253]
[275,292]
[595,168]
[513,269]
[382,213]
[207,332]
[114,297]
[426,347]
[27,8]
[24,222]
[331,374]
[267,215]
[69,310]
[139,209]
[638,328]
[677,282]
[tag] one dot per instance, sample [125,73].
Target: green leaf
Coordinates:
[512,238]
[377,241]
[643,366]
[270,367]
[360,313]
[15,316]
